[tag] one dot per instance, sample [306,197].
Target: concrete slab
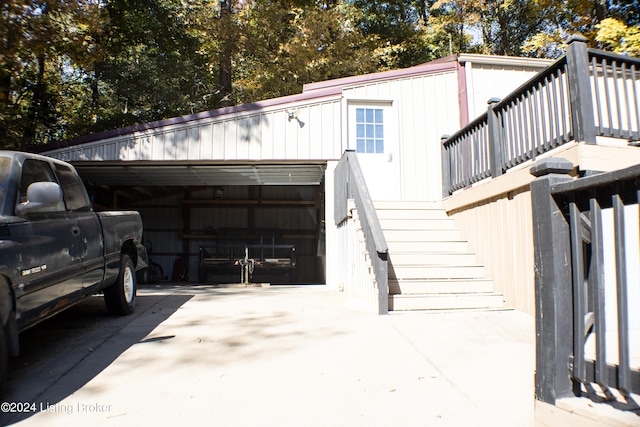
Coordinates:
[289,356]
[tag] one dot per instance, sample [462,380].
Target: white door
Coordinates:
[373,136]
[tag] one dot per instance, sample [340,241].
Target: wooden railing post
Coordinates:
[553,292]
[495,139]
[446,167]
[580,98]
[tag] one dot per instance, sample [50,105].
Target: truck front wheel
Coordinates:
[120,297]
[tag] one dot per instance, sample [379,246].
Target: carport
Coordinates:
[253,172]
[249,173]
[191,206]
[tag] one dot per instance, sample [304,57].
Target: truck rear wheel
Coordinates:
[120,297]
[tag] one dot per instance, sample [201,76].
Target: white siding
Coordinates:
[486,81]
[253,136]
[426,108]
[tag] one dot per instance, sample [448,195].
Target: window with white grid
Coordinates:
[369,130]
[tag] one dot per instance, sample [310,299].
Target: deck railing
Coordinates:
[584,94]
[615,84]
[350,185]
[582,314]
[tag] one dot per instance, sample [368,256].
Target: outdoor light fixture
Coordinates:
[293,115]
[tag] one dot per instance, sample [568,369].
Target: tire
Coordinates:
[4,356]
[120,297]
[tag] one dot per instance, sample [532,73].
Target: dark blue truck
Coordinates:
[55,250]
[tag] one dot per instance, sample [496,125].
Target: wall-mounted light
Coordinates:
[293,115]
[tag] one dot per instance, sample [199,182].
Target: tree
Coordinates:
[74,67]
[286,44]
[406,32]
[40,43]
[492,27]
[458,19]
[618,37]
[506,24]
[627,11]
[419,31]
[151,68]
[584,17]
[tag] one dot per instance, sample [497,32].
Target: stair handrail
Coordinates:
[585,94]
[350,184]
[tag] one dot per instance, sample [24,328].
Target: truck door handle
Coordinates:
[75,231]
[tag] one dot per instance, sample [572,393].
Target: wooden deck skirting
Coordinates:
[495,216]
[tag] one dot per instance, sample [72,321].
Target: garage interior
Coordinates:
[195,212]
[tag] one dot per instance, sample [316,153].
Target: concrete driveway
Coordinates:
[278,356]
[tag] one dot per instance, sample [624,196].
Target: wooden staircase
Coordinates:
[430,266]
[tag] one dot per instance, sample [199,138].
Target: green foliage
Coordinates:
[618,37]
[565,18]
[40,43]
[408,32]
[626,11]
[507,24]
[70,68]
[314,43]
[150,69]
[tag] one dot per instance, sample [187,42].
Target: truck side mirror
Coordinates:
[40,195]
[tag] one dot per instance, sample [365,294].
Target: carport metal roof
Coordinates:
[164,174]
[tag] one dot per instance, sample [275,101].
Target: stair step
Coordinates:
[432,258]
[426,246]
[408,204]
[430,267]
[413,224]
[436,272]
[450,286]
[384,214]
[446,301]
[422,235]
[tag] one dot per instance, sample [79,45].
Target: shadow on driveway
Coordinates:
[61,355]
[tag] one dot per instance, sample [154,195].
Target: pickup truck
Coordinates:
[55,250]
